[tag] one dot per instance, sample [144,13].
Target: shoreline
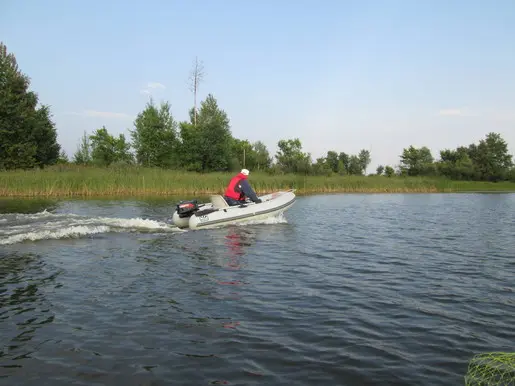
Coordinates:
[71,182]
[205,194]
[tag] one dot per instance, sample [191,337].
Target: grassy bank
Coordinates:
[75,181]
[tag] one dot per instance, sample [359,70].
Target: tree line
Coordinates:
[204,143]
[488,160]
[158,140]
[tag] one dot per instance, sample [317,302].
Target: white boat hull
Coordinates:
[217,212]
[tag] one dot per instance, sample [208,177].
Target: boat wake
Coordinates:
[278,219]
[17,228]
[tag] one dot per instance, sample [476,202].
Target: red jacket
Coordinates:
[233,190]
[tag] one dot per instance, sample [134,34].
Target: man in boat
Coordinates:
[239,189]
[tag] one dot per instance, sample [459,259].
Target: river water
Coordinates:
[342,290]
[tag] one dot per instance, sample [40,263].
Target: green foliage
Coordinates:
[190,136]
[83,154]
[417,162]
[321,167]
[510,176]
[354,166]
[332,161]
[106,149]
[489,160]
[343,163]
[27,135]
[254,156]
[388,171]
[63,158]
[263,159]
[364,160]
[154,138]
[380,170]
[456,164]
[290,157]
[242,154]
[208,145]
[491,157]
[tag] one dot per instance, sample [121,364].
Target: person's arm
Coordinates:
[248,191]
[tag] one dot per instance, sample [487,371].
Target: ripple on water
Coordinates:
[373,289]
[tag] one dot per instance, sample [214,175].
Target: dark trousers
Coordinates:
[233,202]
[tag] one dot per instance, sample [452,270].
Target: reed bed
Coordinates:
[80,181]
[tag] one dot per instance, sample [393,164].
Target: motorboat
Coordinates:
[194,215]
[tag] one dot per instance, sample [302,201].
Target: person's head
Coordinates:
[245,172]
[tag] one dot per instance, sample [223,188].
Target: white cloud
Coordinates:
[152,86]
[456,112]
[102,114]
[489,114]
[155,85]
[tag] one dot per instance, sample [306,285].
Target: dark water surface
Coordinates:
[344,290]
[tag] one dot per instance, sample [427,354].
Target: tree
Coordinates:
[154,138]
[290,157]
[263,159]
[388,171]
[107,149]
[196,76]
[190,140]
[364,160]
[321,167]
[355,166]
[416,162]
[242,154]
[488,160]
[332,161]
[456,164]
[82,156]
[491,157]
[27,134]
[380,170]
[122,150]
[511,175]
[343,163]
[63,158]
[207,146]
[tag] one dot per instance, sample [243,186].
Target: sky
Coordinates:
[340,75]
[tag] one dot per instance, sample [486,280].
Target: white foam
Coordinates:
[278,219]
[69,232]
[139,223]
[25,228]
[57,226]
[40,215]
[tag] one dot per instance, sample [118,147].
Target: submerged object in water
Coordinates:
[193,215]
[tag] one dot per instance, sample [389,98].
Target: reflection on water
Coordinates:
[237,239]
[33,205]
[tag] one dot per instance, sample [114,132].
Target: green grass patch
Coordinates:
[79,181]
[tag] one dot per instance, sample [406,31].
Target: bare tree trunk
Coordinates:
[196,76]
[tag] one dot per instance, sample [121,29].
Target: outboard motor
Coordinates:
[187,208]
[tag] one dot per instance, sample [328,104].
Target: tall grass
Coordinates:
[79,181]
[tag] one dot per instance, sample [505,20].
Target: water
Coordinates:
[343,290]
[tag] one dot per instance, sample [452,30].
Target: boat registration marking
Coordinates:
[203,218]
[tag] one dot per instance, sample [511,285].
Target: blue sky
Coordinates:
[340,75]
